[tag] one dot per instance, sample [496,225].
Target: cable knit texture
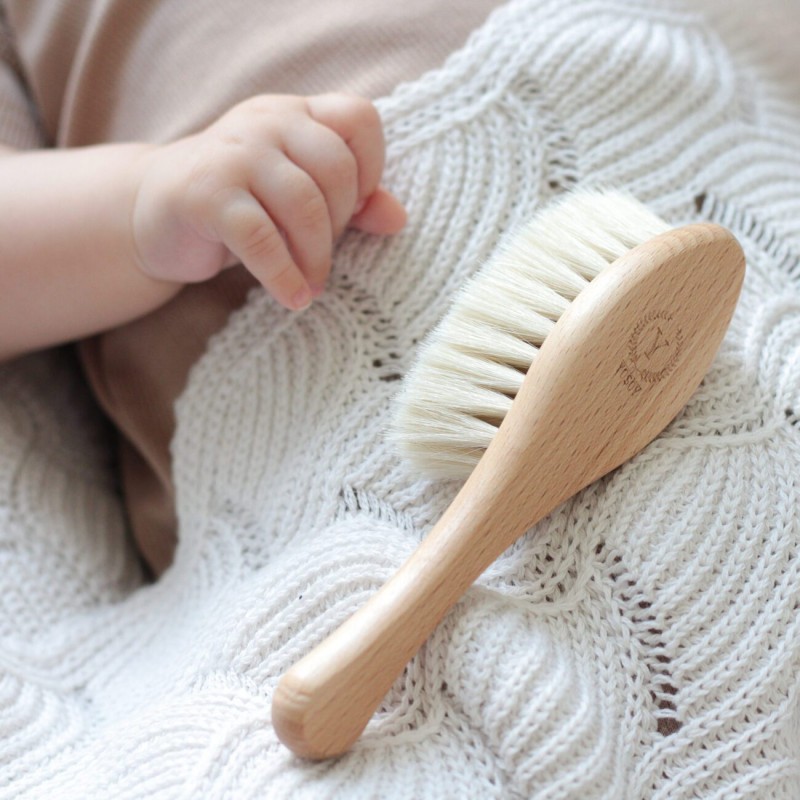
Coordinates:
[641,642]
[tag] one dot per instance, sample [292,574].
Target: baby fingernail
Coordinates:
[301,299]
[317,289]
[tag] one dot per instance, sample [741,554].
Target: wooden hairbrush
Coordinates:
[568,353]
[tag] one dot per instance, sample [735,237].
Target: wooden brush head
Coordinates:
[622,361]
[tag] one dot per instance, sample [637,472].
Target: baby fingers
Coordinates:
[324,156]
[249,232]
[299,209]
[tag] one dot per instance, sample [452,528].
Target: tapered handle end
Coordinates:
[310,724]
[304,725]
[324,702]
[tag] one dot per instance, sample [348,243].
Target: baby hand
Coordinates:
[271,184]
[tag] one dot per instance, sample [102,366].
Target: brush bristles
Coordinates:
[472,364]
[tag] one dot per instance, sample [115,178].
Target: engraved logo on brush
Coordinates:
[654,347]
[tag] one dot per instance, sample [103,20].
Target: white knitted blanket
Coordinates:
[641,642]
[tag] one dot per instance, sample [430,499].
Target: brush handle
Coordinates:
[616,368]
[324,702]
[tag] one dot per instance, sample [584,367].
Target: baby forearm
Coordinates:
[67,258]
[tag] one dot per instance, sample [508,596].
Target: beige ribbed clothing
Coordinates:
[89,71]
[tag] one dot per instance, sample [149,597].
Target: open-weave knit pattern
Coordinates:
[642,642]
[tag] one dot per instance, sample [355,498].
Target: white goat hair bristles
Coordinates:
[472,364]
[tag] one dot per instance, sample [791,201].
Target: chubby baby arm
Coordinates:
[67,266]
[102,235]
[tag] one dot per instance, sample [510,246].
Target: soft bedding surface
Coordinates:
[641,642]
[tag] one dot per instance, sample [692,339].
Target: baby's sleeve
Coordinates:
[19,127]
